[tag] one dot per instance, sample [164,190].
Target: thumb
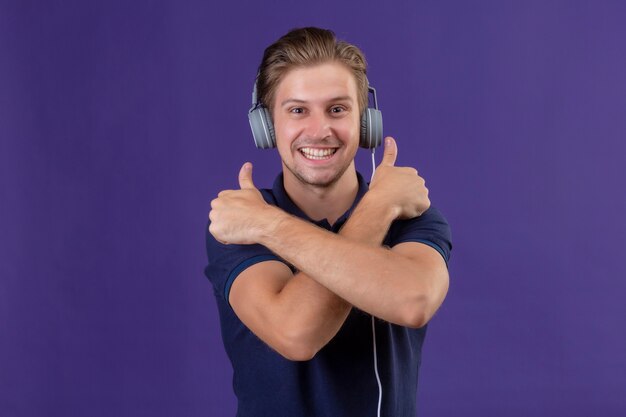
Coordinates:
[245,177]
[391,152]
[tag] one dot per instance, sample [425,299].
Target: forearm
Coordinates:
[310,314]
[303,317]
[357,269]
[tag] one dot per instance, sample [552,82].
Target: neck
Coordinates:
[323,202]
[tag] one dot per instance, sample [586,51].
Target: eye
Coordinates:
[296,110]
[337,109]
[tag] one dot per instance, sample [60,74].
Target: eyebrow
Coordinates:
[299,101]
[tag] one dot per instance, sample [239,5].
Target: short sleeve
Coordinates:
[226,262]
[431,228]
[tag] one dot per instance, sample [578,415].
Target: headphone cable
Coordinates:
[380,386]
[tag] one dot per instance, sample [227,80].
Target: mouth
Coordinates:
[317,154]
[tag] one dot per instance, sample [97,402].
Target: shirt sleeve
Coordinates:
[226,262]
[431,229]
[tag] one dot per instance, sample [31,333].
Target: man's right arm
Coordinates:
[292,313]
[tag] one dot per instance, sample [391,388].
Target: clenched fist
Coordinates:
[241,216]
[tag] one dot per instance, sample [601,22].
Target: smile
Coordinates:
[317,154]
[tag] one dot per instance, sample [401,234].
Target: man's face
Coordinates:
[317,123]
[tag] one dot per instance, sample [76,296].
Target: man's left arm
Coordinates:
[404,285]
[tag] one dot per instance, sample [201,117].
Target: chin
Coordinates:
[318,179]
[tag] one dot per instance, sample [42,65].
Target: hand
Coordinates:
[241,216]
[400,187]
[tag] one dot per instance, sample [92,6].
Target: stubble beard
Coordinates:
[317,183]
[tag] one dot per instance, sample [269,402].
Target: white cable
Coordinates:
[373,165]
[380,386]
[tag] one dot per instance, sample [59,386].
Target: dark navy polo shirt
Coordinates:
[340,380]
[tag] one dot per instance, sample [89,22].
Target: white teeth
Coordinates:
[313,153]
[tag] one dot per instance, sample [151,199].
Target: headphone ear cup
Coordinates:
[371,128]
[262,128]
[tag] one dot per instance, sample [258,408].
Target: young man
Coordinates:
[324,285]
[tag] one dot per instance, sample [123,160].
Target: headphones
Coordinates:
[265,138]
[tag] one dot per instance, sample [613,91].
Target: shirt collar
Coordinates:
[284,201]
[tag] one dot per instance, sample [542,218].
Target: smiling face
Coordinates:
[317,124]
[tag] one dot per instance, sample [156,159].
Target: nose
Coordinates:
[318,126]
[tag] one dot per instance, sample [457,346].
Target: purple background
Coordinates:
[119,122]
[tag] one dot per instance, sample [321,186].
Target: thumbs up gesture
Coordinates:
[245,177]
[400,188]
[239,216]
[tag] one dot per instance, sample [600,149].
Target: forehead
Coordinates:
[321,82]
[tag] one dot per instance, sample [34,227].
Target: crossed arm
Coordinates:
[297,314]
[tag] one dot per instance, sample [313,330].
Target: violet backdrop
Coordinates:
[120,121]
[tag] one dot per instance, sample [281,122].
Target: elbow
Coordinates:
[416,312]
[296,347]
[297,353]
[422,303]
[415,319]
